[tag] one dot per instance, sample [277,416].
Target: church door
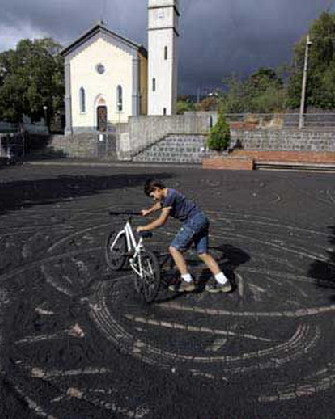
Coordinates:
[102,119]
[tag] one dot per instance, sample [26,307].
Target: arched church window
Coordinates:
[119,99]
[82,100]
[153,85]
[165,53]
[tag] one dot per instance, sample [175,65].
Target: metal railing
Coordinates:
[12,146]
[324,120]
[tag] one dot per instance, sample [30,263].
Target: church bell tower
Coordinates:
[163,56]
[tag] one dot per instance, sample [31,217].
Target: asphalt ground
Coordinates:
[76,341]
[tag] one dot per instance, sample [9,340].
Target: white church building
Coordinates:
[109,78]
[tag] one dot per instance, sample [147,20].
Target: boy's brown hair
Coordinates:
[151,184]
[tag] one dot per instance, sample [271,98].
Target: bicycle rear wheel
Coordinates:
[116,251]
[150,275]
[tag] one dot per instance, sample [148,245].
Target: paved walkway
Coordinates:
[76,340]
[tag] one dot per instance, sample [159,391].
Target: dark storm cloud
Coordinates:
[218,37]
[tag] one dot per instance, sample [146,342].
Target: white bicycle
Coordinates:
[126,247]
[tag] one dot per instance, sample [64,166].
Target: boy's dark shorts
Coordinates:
[194,230]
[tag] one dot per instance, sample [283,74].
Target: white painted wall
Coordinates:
[118,63]
[162,28]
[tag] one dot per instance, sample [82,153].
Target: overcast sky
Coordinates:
[218,37]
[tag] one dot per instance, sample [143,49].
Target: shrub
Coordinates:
[219,137]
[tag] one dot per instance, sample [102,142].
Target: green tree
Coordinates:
[184,105]
[321,63]
[207,104]
[234,99]
[31,77]
[219,137]
[263,91]
[264,78]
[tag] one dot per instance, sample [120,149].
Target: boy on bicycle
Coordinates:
[195,229]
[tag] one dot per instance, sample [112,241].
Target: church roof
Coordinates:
[100,27]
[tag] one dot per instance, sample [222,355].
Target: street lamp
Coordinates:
[45,109]
[304,84]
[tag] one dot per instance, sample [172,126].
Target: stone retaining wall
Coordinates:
[178,149]
[145,131]
[193,148]
[84,145]
[286,139]
[182,138]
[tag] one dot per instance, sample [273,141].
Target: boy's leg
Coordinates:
[221,282]
[182,242]
[179,260]
[210,262]
[187,283]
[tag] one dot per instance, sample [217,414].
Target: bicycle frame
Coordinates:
[133,248]
[125,246]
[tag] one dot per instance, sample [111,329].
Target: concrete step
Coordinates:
[273,165]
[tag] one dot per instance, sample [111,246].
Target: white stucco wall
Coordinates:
[163,24]
[118,63]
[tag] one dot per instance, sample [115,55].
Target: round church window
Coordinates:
[100,68]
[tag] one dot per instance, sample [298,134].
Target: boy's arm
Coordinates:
[161,220]
[157,206]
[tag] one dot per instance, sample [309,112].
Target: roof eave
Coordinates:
[93,31]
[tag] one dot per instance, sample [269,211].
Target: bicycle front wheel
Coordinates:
[116,251]
[150,276]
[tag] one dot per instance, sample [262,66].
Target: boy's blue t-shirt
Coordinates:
[181,207]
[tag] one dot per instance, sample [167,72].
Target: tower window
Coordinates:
[119,99]
[164,111]
[82,100]
[165,53]
[154,85]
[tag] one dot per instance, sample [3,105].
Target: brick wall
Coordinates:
[229,163]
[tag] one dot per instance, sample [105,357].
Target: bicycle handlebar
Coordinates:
[145,234]
[130,213]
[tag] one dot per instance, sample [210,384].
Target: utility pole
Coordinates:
[304,84]
[198,94]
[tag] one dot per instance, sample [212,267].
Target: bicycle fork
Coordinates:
[135,261]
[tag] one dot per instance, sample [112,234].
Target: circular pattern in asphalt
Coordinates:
[271,336]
